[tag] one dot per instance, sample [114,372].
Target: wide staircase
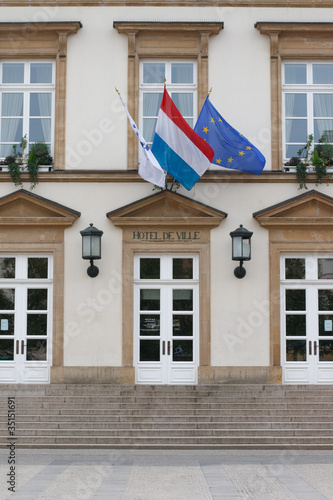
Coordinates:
[205,416]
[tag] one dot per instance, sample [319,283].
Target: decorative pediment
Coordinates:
[309,209]
[25,208]
[166,209]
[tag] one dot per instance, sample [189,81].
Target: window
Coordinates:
[26,52]
[181,81]
[307,104]
[297,42]
[163,43]
[27,91]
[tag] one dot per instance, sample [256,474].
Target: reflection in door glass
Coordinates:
[325,269]
[182,269]
[37,299]
[296,325]
[295,300]
[296,350]
[36,350]
[149,299]
[149,350]
[6,324]
[37,324]
[182,300]
[37,267]
[7,299]
[149,269]
[6,350]
[326,350]
[149,324]
[325,300]
[182,350]
[295,269]
[182,325]
[7,267]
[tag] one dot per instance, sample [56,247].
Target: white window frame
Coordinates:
[171,87]
[28,88]
[309,89]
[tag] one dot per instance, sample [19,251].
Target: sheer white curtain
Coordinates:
[323,108]
[11,128]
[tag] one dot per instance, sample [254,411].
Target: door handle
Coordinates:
[163,347]
[169,345]
[315,348]
[17,346]
[22,347]
[310,348]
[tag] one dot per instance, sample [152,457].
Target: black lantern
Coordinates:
[91,248]
[241,248]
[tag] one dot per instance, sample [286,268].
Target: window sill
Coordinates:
[41,168]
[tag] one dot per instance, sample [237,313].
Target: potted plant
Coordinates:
[320,158]
[19,161]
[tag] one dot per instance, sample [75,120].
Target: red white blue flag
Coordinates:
[178,149]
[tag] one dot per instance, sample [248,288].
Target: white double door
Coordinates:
[25,318]
[166,318]
[307,319]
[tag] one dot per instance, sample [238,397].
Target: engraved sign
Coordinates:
[166,235]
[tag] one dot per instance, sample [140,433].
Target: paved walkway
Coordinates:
[165,475]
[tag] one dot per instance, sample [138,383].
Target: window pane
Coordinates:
[149,350]
[295,269]
[184,102]
[292,150]
[149,126]
[295,73]
[182,73]
[149,300]
[6,350]
[296,105]
[12,104]
[295,300]
[11,129]
[40,104]
[182,325]
[323,104]
[7,267]
[182,269]
[325,269]
[149,324]
[323,127]
[153,72]
[41,73]
[296,325]
[37,267]
[326,350]
[36,350]
[7,299]
[37,324]
[323,73]
[40,130]
[182,350]
[152,103]
[296,350]
[183,300]
[37,299]
[6,324]
[325,324]
[13,73]
[296,130]
[149,269]
[325,300]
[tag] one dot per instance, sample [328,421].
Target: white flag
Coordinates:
[149,169]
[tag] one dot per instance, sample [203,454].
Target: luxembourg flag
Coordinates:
[178,149]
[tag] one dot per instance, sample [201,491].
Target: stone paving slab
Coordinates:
[167,475]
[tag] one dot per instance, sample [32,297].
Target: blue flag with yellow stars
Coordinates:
[231,149]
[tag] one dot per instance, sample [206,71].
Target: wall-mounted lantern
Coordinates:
[241,248]
[91,248]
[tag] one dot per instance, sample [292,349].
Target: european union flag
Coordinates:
[231,149]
